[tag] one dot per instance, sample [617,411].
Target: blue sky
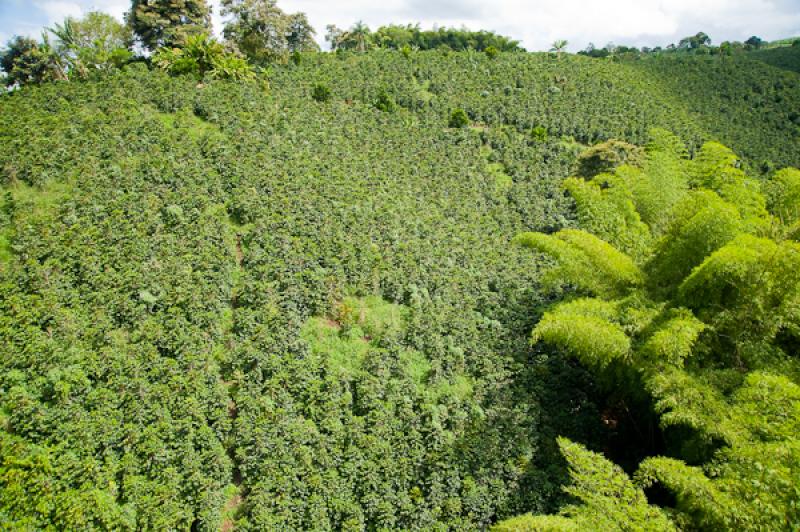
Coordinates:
[536,23]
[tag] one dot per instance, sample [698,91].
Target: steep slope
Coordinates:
[785,57]
[228,303]
[746,104]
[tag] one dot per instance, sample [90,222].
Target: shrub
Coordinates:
[491,52]
[321,92]
[200,56]
[539,133]
[385,102]
[458,119]
[230,67]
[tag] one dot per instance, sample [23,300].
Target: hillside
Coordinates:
[226,302]
[785,57]
[747,105]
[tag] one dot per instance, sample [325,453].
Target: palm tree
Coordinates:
[559,46]
[65,33]
[360,34]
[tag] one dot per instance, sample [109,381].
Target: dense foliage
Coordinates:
[744,103]
[411,37]
[263,32]
[27,61]
[160,269]
[294,303]
[683,286]
[167,22]
[698,44]
[202,57]
[92,45]
[397,36]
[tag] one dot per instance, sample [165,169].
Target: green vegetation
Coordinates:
[412,37]
[787,58]
[458,119]
[249,285]
[264,33]
[745,104]
[321,92]
[169,293]
[201,57]
[168,24]
[26,61]
[93,45]
[699,315]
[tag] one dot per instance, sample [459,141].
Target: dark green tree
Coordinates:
[321,92]
[695,42]
[300,34]
[458,119]
[385,102]
[754,43]
[26,61]
[397,36]
[158,23]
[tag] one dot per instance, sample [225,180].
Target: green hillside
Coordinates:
[785,57]
[743,103]
[227,303]
[783,42]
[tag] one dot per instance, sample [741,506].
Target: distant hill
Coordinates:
[785,57]
[782,42]
[748,101]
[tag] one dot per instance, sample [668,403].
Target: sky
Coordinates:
[536,23]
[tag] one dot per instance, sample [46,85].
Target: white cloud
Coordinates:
[58,10]
[535,22]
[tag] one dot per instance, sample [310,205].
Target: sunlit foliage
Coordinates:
[712,331]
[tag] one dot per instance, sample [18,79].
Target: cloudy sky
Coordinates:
[537,23]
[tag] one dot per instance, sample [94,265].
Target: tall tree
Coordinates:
[358,37]
[695,42]
[754,43]
[334,35]
[263,32]
[160,23]
[27,61]
[559,46]
[95,42]
[300,34]
[361,36]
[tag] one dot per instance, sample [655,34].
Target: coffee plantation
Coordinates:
[297,299]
